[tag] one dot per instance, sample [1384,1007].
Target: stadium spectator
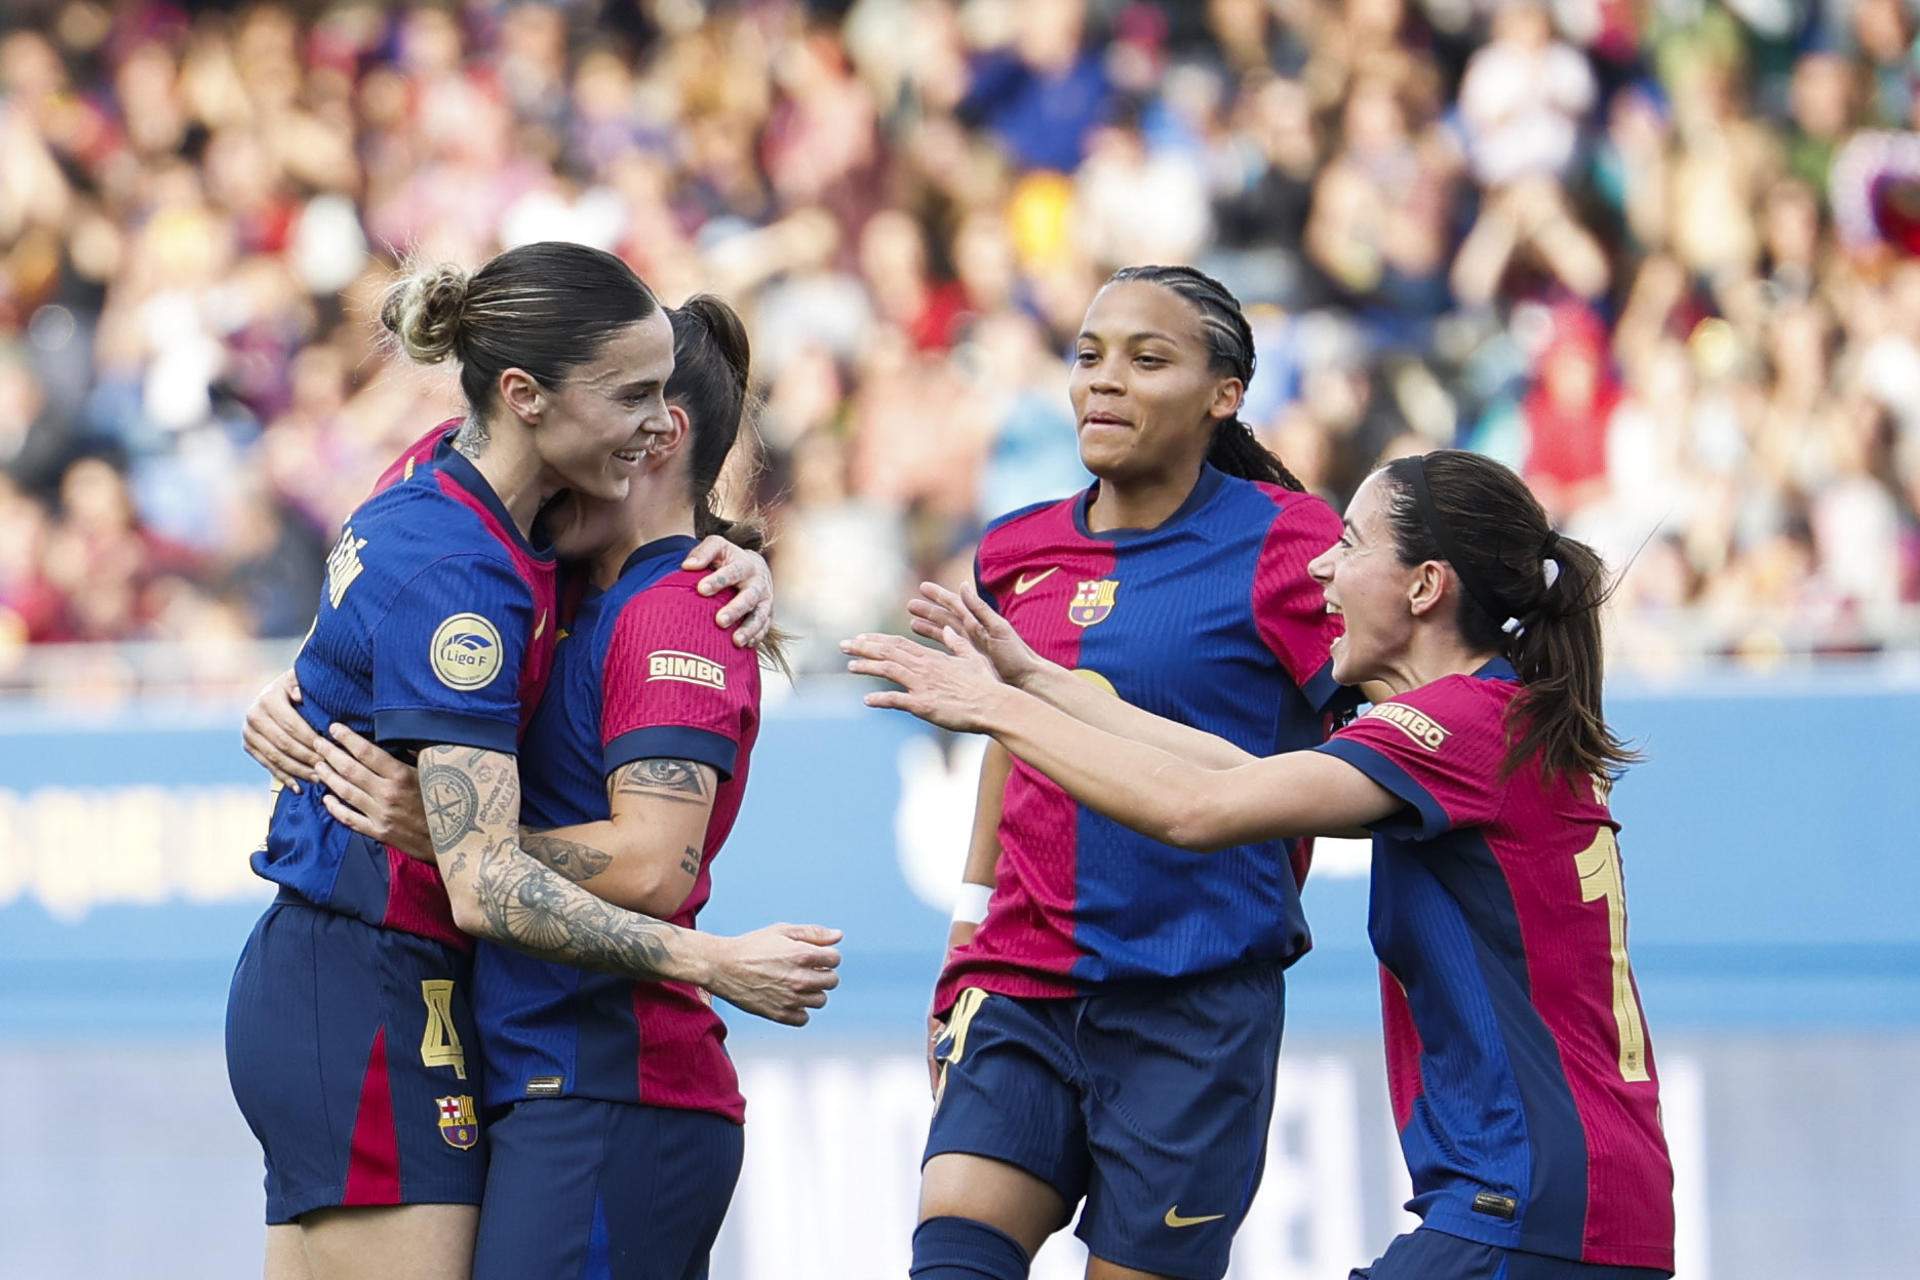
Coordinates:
[196,197]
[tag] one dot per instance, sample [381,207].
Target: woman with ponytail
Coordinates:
[1086,961]
[350,1035]
[615,1114]
[1519,1061]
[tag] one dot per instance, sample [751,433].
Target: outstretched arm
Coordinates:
[1153,791]
[937,608]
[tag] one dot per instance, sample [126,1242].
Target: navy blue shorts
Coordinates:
[1152,1101]
[596,1190]
[1427,1254]
[351,1052]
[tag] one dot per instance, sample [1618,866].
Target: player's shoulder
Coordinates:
[1290,514]
[1024,527]
[669,610]
[1438,710]
[420,453]
[413,529]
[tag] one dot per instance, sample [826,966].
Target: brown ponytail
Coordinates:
[1527,592]
[711,369]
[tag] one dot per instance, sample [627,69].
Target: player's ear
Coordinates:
[669,443]
[523,395]
[1228,394]
[1427,585]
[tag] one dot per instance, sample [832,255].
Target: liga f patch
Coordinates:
[688,668]
[1418,725]
[465,652]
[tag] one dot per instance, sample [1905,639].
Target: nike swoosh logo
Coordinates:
[1024,584]
[1173,1218]
[541,625]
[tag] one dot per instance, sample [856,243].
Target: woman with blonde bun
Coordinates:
[350,1043]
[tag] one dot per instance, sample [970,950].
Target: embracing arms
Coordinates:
[647,856]
[460,809]
[501,893]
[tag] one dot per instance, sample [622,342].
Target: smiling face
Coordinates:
[592,429]
[580,527]
[1145,395]
[1364,582]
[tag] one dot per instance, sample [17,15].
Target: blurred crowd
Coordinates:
[1658,254]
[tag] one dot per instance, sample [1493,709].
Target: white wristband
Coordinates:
[971,906]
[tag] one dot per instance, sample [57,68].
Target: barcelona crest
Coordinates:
[1092,602]
[458,1124]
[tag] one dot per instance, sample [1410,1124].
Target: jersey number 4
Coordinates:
[1599,868]
[440,1043]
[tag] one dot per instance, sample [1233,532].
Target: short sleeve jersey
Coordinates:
[435,626]
[642,674]
[1209,619]
[1518,1059]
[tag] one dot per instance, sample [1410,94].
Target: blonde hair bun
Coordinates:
[423,310]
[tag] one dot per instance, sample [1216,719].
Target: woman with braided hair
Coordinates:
[1518,1058]
[1107,1023]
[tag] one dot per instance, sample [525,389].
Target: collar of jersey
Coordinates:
[1497,669]
[676,545]
[1211,478]
[457,465]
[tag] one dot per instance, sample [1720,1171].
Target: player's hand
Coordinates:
[373,793]
[779,972]
[752,604]
[955,689]
[936,608]
[278,737]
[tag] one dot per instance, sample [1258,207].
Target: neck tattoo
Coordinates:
[471,439]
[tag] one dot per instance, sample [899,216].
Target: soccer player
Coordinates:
[620,1142]
[348,1019]
[574,1057]
[1068,1025]
[1520,1067]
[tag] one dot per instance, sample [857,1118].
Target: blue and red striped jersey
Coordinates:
[643,673]
[1209,619]
[1518,1059]
[435,626]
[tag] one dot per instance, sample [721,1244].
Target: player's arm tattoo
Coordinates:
[515,899]
[499,787]
[452,803]
[569,858]
[690,861]
[530,908]
[680,780]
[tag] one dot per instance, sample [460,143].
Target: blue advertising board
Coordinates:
[1768,845]
[1768,842]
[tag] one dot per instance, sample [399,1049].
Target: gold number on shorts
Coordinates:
[440,1043]
[959,1020]
[1599,868]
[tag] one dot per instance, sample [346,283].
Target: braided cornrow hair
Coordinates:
[1234,450]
